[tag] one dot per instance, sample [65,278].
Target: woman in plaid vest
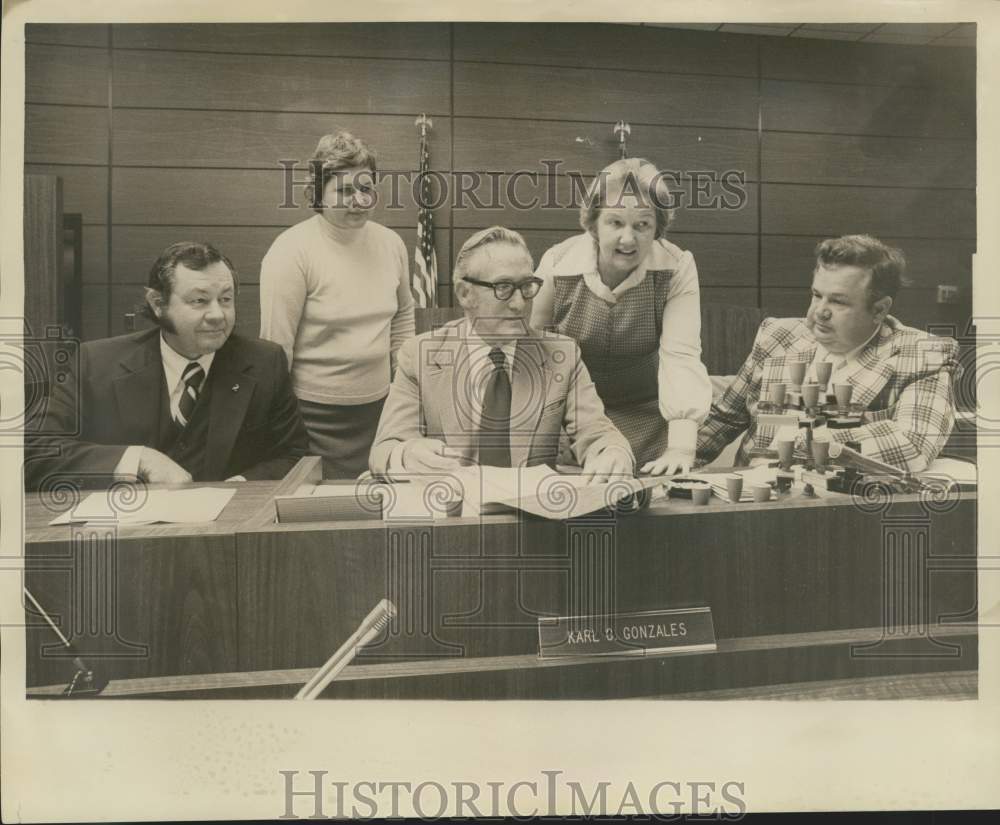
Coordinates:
[630,299]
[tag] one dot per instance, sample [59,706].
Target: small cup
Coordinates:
[797,373]
[761,493]
[701,495]
[776,395]
[734,486]
[786,449]
[844,392]
[810,395]
[824,369]
[820,453]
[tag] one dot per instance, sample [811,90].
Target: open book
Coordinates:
[470,491]
[541,491]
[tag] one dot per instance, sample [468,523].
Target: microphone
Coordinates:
[84,681]
[374,623]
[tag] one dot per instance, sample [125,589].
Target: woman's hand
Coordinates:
[671,461]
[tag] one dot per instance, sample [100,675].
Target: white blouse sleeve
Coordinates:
[543,305]
[684,389]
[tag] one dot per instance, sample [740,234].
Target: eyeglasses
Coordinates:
[503,290]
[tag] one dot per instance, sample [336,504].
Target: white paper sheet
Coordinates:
[951,469]
[188,506]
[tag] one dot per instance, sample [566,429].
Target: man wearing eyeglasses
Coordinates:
[490,390]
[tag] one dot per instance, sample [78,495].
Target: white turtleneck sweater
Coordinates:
[339,302]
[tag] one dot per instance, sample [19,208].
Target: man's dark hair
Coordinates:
[191,254]
[886,263]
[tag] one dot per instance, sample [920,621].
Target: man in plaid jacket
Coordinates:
[902,377]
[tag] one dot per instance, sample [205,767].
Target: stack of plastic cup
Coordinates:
[823,371]
[776,395]
[810,395]
[785,451]
[843,393]
[734,486]
[797,374]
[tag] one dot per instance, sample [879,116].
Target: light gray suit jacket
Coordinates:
[551,390]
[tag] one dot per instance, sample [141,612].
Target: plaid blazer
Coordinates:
[903,377]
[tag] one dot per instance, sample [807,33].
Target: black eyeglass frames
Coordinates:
[503,290]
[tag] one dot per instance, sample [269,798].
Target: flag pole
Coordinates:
[622,131]
[424,281]
[423,123]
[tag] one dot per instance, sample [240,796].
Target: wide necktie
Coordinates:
[192,377]
[494,429]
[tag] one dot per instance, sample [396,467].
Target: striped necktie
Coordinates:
[192,378]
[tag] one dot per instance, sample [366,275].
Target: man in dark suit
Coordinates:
[186,401]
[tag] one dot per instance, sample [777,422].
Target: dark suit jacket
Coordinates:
[254,427]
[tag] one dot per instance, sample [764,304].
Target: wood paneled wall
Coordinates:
[166,132]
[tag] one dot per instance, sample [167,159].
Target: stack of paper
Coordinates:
[421,500]
[406,501]
[331,502]
[187,506]
[952,472]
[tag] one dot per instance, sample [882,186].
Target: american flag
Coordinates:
[424,278]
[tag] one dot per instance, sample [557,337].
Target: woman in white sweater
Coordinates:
[335,294]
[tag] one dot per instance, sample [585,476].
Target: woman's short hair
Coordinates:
[887,264]
[334,153]
[629,176]
[191,254]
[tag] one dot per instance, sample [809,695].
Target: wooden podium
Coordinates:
[833,592]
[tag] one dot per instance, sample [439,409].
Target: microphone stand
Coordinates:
[84,682]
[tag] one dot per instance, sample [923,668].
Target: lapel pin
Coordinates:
[236,387]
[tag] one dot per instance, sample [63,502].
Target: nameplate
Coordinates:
[683,630]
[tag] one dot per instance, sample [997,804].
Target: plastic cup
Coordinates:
[810,395]
[820,453]
[701,495]
[797,372]
[785,451]
[776,395]
[844,392]
[734,486]
[761,493]
[824,369]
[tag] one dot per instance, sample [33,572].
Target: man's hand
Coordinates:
[671,461]
[612,462]
[156,468]
[429,455]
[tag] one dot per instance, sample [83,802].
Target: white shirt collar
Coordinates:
[479,349]
[583,258]
[593,281]
[174,363]
[823,354]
